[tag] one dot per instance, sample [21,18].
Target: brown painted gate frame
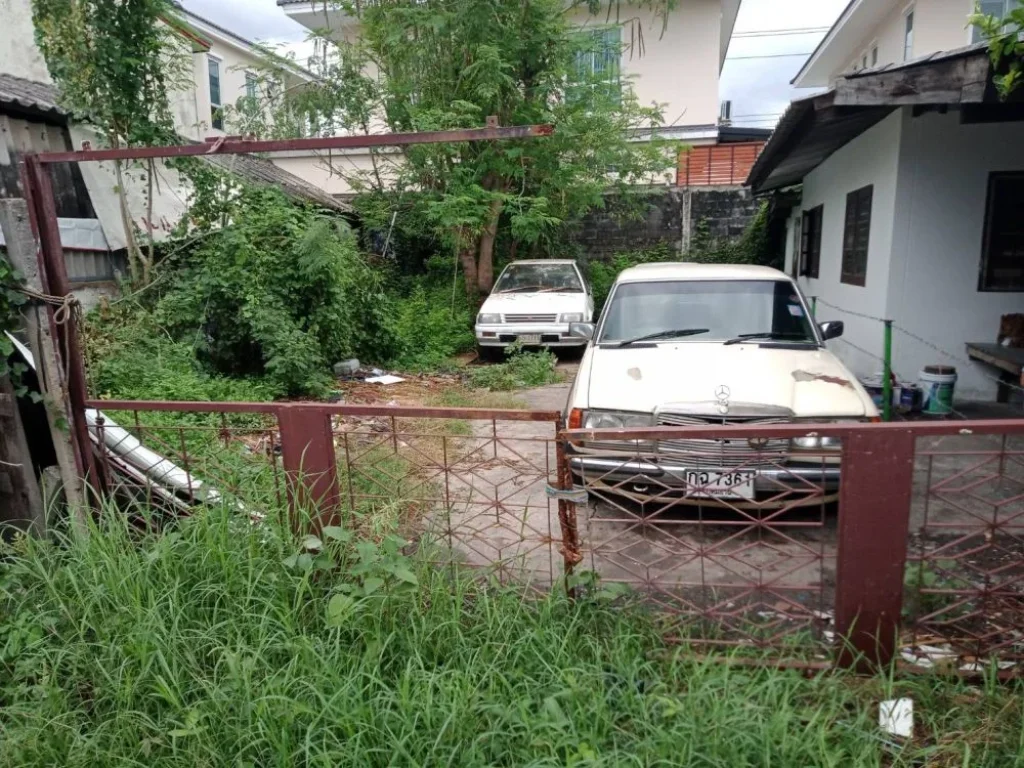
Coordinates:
[877,459]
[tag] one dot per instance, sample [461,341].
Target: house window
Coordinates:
[864,61]
[251,88]
[216,113]
[855,236]
[997,8]
[908,35]
[795,265]
[874,56]
[810,242]
[1002,254]
[597,63]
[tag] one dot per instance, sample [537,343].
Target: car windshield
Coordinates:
[759,311]
[546,278]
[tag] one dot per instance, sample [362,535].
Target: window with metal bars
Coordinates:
[856,234]
[810,242]
[1002,255]
[597,63]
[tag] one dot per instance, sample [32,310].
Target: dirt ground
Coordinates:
[498,510]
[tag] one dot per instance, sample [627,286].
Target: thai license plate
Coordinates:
[715,483]
[529,338]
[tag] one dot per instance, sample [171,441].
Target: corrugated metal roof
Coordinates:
[29,94]
[260,171]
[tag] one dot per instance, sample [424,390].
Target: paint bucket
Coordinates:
[910,398]
[876,391]
[938,383]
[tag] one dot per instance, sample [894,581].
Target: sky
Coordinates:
[758,87]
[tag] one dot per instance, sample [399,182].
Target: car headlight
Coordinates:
[616,419]
[571,317]
[487,318]
[814,443]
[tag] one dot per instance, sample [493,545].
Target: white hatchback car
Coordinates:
[699,344]
[533,303]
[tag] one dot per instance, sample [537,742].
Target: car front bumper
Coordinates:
[634,471]
[551,335]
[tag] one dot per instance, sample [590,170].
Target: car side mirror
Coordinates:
[832,329]
[582,330]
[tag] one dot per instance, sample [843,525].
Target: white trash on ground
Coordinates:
[896,716]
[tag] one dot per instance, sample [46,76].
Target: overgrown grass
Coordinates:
[519,370]
[225,644]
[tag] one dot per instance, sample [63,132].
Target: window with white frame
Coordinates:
[874,55]
[908,35]
[216,107]
[251,86]
[997,8]
[597,62]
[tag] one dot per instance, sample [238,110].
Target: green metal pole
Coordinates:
[887,374]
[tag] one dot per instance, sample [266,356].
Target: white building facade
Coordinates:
[911,184]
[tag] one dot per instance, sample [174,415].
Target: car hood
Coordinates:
[534,303]
[810,383]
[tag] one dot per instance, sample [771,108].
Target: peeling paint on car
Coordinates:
[805,376]
[635,374]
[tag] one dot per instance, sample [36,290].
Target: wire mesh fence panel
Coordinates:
[181,461]
[964,586]
[472,492]
[734,540]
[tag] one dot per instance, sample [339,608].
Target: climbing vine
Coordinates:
[1006,47]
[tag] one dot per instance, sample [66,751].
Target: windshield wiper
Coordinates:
[676,334]
[745,337]
[520,289]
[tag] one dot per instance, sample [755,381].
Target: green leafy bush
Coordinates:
[429,331]
[602,274]
[520,370]
[132,358]
[281,291]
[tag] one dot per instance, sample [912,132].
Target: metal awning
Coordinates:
[816,126]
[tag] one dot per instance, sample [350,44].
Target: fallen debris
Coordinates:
[385,379]
[896,716]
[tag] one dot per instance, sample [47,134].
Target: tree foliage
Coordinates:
[1006,46]
[114,63]
[279,290]
[421,65]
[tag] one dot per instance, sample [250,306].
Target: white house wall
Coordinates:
[871,158]
[944,168]
[19,55]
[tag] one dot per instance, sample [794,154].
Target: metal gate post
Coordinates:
[874,517]
[310,465]
[571,554]
[43,211]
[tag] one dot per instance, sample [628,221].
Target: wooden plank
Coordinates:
[21,250]
[951,81]
[1009,359]
[21,502]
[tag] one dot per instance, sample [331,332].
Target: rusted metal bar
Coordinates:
[311,470]
[571,549]
[39,192]
[874,498]
[233,146]
[739,431]
[401,412]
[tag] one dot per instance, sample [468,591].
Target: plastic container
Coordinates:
[938,384]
